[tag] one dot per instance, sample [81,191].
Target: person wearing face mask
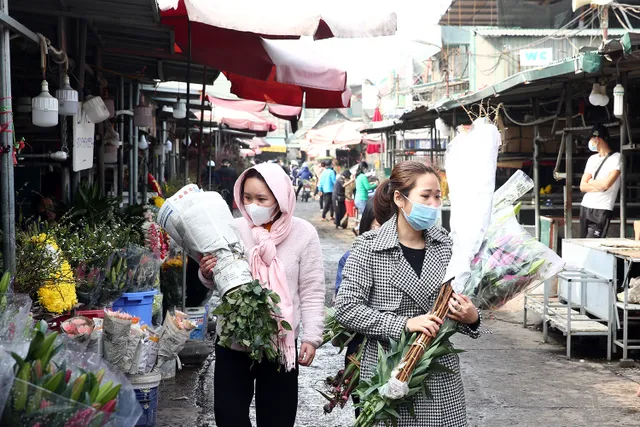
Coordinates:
[600,183]
[284,252]
[390,283]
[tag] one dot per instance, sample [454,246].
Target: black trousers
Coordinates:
[300,185]
[352,350]
[276,392]
[594,223]
[341,210]
[328,204]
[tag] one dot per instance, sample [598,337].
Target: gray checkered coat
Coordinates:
[380,292]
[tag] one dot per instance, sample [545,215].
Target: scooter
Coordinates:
[306,190]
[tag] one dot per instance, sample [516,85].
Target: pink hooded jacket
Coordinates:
[299,251]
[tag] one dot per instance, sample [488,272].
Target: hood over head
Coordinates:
[280,185]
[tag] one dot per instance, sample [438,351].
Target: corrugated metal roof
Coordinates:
[544,32]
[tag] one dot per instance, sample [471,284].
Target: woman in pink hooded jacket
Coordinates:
[284,252]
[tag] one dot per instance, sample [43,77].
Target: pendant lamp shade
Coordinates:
[142,114]
[44,108]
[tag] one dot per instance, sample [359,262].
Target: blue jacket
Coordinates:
[341,264]
[304,173]
[327,181]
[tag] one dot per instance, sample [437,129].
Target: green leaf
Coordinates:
[285,325]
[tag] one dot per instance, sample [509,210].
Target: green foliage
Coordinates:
[379,409]
[247,316]
[47,393]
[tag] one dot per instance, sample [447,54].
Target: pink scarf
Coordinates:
[266,267]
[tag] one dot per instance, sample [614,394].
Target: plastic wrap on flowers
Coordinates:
[126,410]
[90,283]
[475,151]
[15,324]
[509,262]
[147,272]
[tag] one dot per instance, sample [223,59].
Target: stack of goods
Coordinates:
[137,349]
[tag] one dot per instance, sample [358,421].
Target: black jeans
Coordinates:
[276,392]
[328,204]
[352,350]
[341,210]
[594,223]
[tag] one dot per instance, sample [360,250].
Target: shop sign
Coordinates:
[536,57]
[83,140]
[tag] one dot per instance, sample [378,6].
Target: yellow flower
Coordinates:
[158,201]
[172,263]
[58,294]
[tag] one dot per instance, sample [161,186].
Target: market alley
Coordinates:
[511,378]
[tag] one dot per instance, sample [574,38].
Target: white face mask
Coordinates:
[261,215]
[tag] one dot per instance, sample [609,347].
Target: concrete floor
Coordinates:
[511,377]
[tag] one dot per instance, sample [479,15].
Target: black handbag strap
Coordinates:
[602,164]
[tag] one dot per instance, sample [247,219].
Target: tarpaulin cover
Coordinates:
[273,71]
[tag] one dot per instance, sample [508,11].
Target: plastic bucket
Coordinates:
[198,315]
[146,389]
[137,304]
[351,207]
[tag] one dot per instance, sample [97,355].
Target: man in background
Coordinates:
[228,177]
[600,183]
[327,183]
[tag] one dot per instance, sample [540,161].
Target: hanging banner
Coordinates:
[83,141]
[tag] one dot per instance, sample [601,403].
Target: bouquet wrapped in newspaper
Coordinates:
[248,315]
[493,259]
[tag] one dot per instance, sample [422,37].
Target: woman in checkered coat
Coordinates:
[391,281]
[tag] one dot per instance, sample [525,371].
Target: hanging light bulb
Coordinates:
[67,98]
[168,146]
[142,114]
[142,143]
[595,96]
[180,109]
[188,141]
[618,100]
[604,98]
[44,108]
[95,109]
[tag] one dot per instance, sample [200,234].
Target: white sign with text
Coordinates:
[536,57]
[83,140]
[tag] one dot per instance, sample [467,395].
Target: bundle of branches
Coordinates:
[401,372]
[340,387]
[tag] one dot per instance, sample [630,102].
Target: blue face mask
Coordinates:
[422,217]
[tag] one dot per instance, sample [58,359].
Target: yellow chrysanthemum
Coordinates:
[175,262]
[58,294]
[158,201]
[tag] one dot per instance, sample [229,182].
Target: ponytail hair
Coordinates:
[403,179]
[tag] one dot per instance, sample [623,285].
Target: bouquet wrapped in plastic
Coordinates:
[249,316]
[493,259]
[47,390]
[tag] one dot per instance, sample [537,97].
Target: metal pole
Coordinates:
[186,163]
[131,130]
[64,121]
[568,206]
[536,166]
[163,154]
[121,104]
[136,160]
[6,118]
[100,141]
[204,94]
[623,168]
[76,177]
